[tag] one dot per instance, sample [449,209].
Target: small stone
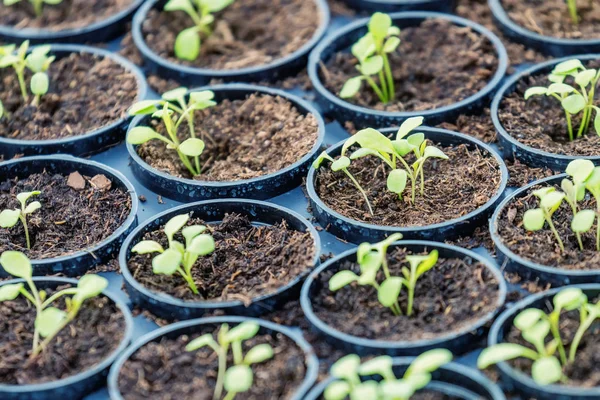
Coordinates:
[101,182]
[76,181]
[142,198]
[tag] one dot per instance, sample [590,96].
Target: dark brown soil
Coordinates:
[247,33]
[244,139]
[249,261]
[86,93]
[166,371]
[88,340]
[552,18]
[480,238]
[453,188]
[449,297]
[69,14]
[479,126]
[436,64]
[69,221]
[521,174]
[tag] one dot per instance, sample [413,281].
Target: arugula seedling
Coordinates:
[239,377]
[9,218]
[592,184]
[37,4]
[178,258]
[49,320]
[550,200]
[418,266]
[580,170]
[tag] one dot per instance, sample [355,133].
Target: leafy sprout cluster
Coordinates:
[349,369]
[392,153]
[371,259]
[38,5]
[372,51]
[549,357]
[173,109]
[49,320]
[9,218]
[239,377]
[574,101]
[178,257]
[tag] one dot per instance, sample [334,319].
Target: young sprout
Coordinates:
[418,266]
[592,184]
[550,201]
[187,43]
[239,377]
[580,171]
[372,52]
[348,370]
[178,258]
[572,6]
[37,4]
[49,320]
[9,218]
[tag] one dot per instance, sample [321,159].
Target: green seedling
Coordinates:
[49,320]
[239,377]
[580,171]
[592,184]
[173,109]
[348,371]
[9,218]
[178,258]
[38,5]
[372,51]
[534,219]
[188,41]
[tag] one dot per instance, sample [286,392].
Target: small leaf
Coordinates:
[9,218]
[552,201]
[336,390]
[372,65]
[16,264]
[568,299]
[319,160]
[568,66]
[416,139]
[535,91]
[190,232]
[200,342]
[418,380]
[192,147]
[560,88]
[363,152]
[10,292]
[244,331]
[580,170]
[527,318]
[429,361]
[238,379]
[428,263]
[258,354]
[546,370]
[391,44]
[503,352]
[175,94]
[364,47]
[167,263]
[202,96]
[142,134]
[351,87]
[24,196]
[175,224]
[202,245]
[583,221]
[399,389]
[432,151]
[574,103]
[543,192]
[341,163]
[143,107]
[585,77]
[48,321]
[402,147]
[365,390]
[89,286]
[389,291]
[214,6]
[379,25]
[179,5]
[396,181]
[32,207]
[536,334]
[187,44]
[39,83]
[371,139]
[342,279]
[346,366]
[147,246]
[381,365]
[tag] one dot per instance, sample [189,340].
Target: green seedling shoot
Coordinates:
[586,220]
[572,6]
[9,218]
[534,219]
[579,171]
[178,258]
[348,371]
[239,377]
[49,320]
[38,5]
[372,51]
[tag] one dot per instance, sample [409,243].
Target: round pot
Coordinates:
[101,31]
[402,5]
[357,232]
[553,46]
[521,382]
[262,187]
[191,327]
[169,307]
[531,270]
[452,379]
[83,383]
[88,142]
[457,342]
[511,147]
[344,111]
[190,76]
[80,262]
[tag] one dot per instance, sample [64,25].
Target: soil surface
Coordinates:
[479,126]
[436,64]
[70,220]
[453,188]
[552,18]
[451,296]
[249,261]
[244,139]
[166,371]
[94,334]
[86,93]
[245,34]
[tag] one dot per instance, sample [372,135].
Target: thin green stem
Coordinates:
[57,295]
[579,335]
[390,77]
[23,219]
[377,91]
[572,4]
[569,125]
[556,235]
[556,333]
[384,87]
[364,194]
[186,162]
[230,396]
[236,348]
[22,85]
[37,7]
[26,294]
[189,280]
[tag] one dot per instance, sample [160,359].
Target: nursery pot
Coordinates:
[83,383]
[193,326]
[261,213]
[402,5]
[457,342]
[262,187]
[190,76]
[523,383]
[86,143]
[345,37]
[80,262]
[356,232]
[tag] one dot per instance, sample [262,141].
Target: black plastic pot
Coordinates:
[402,5]
[343,38]
[262,187]
[522,383]
[457,342]
[191,327]
[101,31]
[83,383]
[80,262]
[553,46]
[357,232]
[511,147]
[276,70]
[452,380]
[86,143]
[262,213]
